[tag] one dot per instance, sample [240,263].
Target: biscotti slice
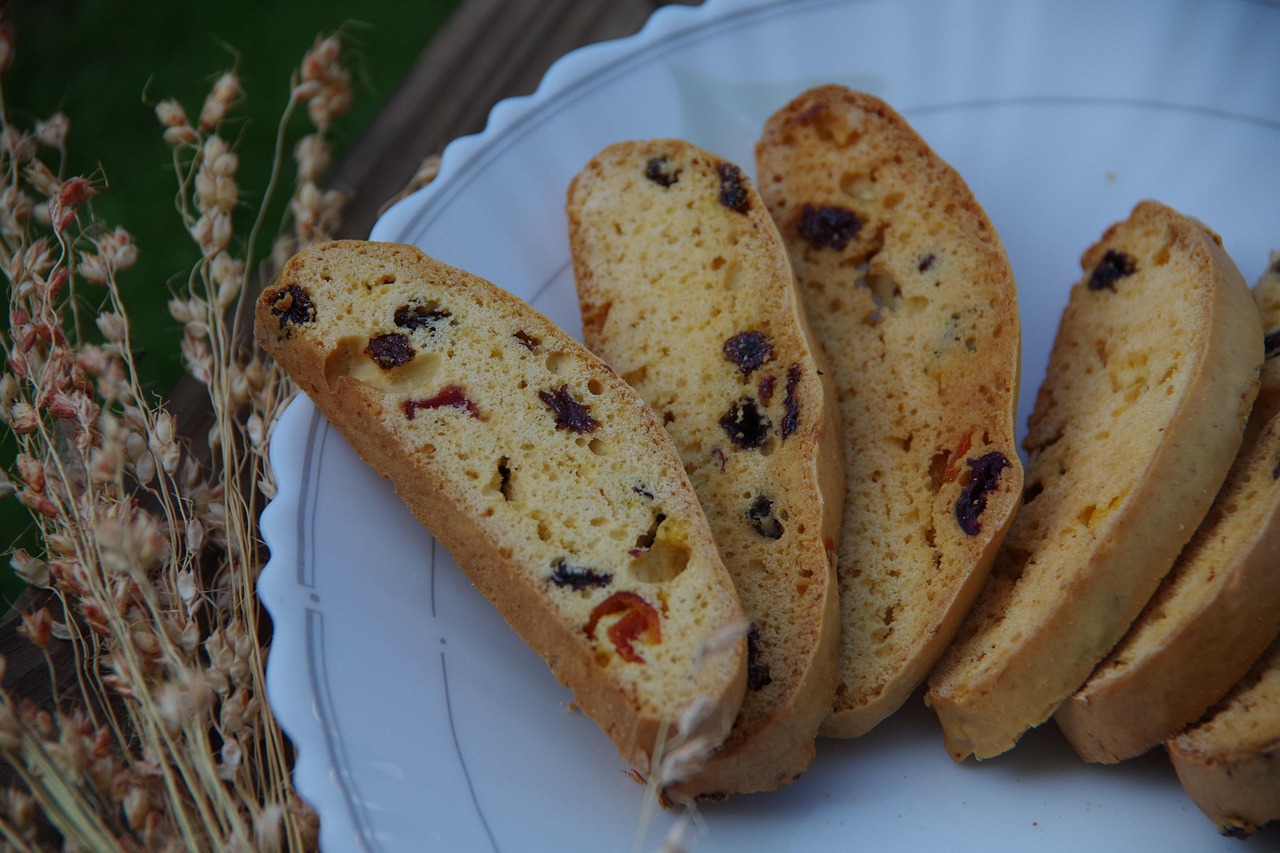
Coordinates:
[913,299]
[1211,618]
[1150,380]
[1266,295]
[549,481]
[685,290]
[1229,764]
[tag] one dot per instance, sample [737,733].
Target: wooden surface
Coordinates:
[489,50]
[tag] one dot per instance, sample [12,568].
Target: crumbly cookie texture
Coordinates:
[550,482]
[1229,764]
[686,291]
[1212,616]
[1152,375]
[913,299]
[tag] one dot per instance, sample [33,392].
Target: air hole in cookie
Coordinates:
[662,561]
[595,386]
[1085,516]
[554,361]
[733,277]
[544,532]
[857,186]
[349,358]
[596,446]
[718,262]
[892,200]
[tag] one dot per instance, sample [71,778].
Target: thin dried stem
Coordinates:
[151,556]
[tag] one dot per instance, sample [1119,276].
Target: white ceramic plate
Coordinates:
[422,722]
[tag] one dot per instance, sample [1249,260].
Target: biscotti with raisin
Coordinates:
[1229,763]
[913,298]
[549,481]
[1152,374]
[685,290]
[1211,618]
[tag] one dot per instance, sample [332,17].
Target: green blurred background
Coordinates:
[106,63]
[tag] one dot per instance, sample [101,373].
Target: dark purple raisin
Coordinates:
[829,226]
[926,262]
[983,478]
[570,414]
[790,405]
[733,188]
[390,350]
[1271,343]
[662,171]
[761,518]
[527,340]
[578,578]
[1113,267]
[748,350]
[1275,472]
[745,424]
[766,388]
[450,397]
[642,491]
[293,306]
[757,673]
[418,316]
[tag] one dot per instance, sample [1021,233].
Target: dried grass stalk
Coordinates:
[150,551]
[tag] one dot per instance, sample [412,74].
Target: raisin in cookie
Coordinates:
[913,299]
[550,482]
[685,290]
[1151,377]
[1212,616]
[1229,764]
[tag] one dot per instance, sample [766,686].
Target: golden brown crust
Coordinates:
[1229,764]
[1150,380]
[686,291]
[549,481]
[913,298]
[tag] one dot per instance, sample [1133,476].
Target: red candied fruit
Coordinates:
[450,396]
[638,621]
